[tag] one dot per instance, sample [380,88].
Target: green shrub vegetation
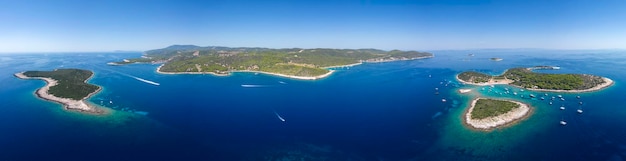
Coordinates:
[528,79]
[71,82]
[294,61]
[525,78]
[485,108]
[474,77]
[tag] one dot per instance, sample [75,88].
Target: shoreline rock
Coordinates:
[512,116]
[68,104]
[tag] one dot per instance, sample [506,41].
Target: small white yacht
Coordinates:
[562,108]
[563,123]
[580,111]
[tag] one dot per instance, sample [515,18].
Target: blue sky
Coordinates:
[78,25]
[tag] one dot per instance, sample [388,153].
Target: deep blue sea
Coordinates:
[374,111]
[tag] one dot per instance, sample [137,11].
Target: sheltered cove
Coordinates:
[295,63]
[492,80]
[586,83]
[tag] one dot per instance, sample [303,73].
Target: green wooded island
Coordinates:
[526,78]
[293,62]
[71,82]
[486,113]
[66,86]
[485,108]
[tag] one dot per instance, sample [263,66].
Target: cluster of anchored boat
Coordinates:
[534,97]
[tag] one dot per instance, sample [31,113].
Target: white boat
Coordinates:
[443,100]
[559,96]
[580,103]
[578,97]
[542,98]
[562,108]
[550,102]
[532,95]
[579,111]
[563,123]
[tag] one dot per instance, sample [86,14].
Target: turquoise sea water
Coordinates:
[374,111]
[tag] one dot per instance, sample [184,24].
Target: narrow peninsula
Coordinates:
[294,63]
[66,86]
[486,114]
[526,78]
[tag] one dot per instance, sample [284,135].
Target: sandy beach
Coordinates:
[250,71]
[464,90]
[341,66]
[377,60]
[291,76]
[69,104]
[491,82]
[158,70]
[493,122]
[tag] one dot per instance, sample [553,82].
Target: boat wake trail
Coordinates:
[279,117]
[252,86]
[146,81]
[128,75]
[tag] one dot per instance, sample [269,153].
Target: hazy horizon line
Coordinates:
[467,49]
